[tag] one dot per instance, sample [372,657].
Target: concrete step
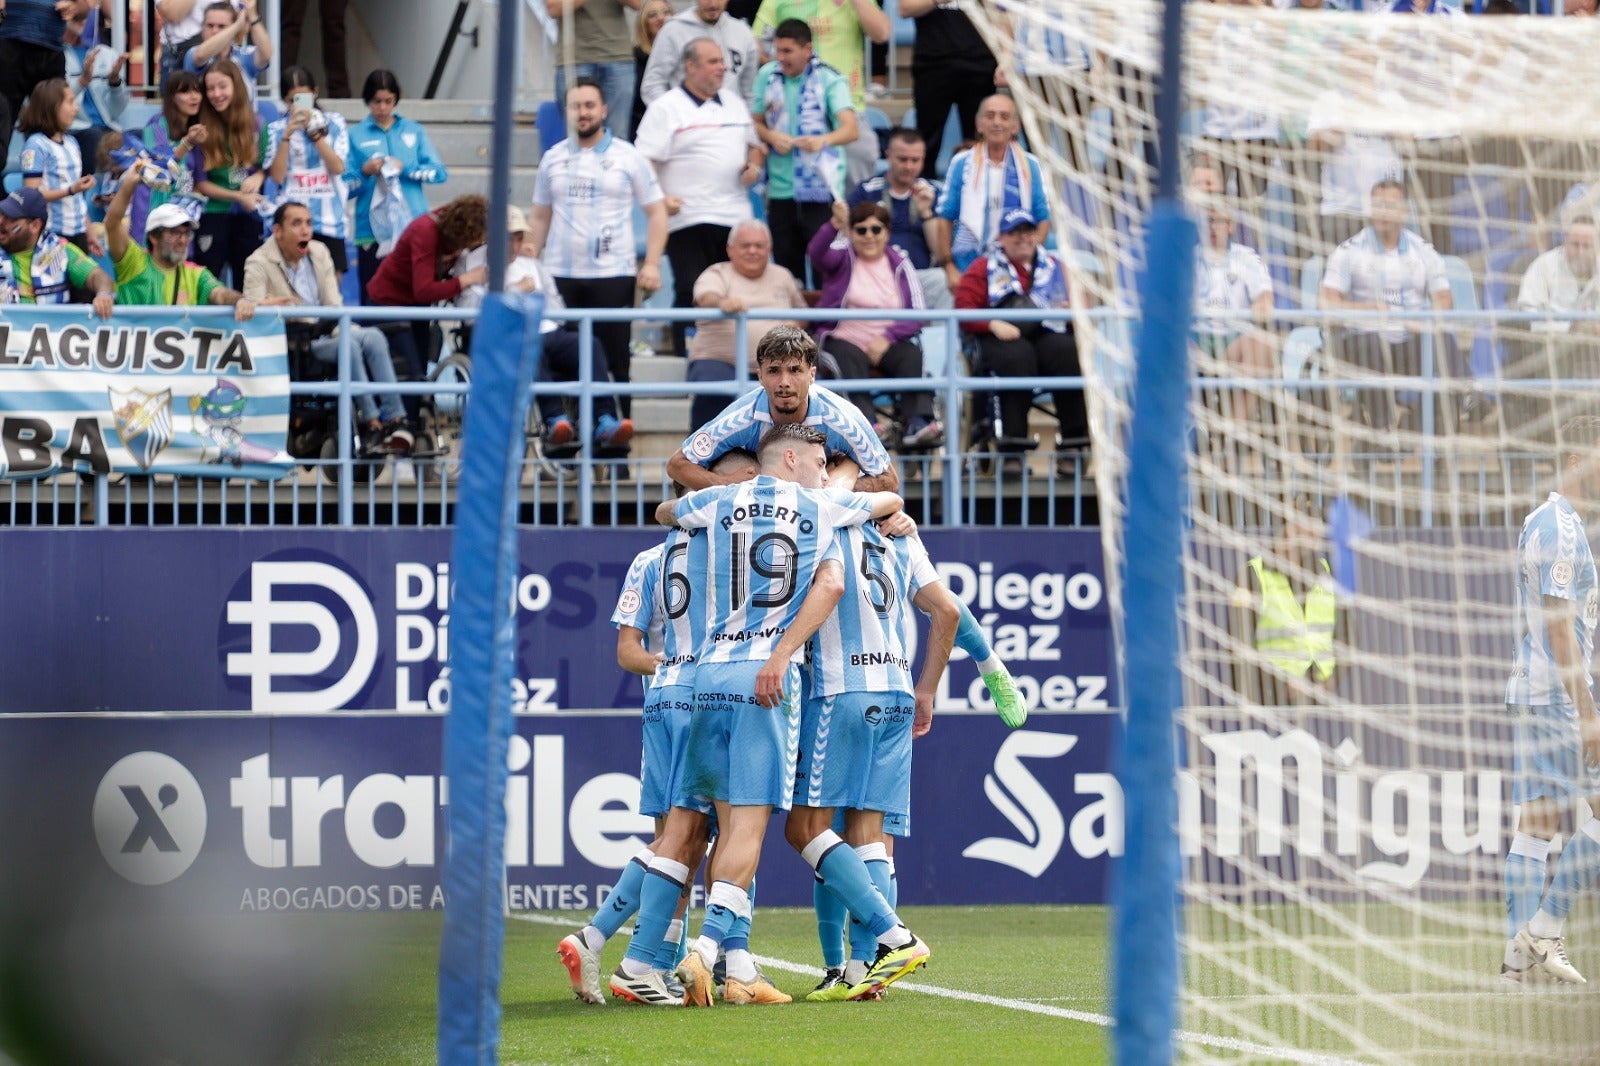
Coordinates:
[668,415]
[657,368]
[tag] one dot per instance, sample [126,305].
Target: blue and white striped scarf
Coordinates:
[1049,283]
[816,174]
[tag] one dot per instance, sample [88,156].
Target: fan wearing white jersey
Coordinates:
[860,714]
[1550,693]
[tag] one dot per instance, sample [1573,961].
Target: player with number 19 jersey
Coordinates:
[764,540]
[855,730]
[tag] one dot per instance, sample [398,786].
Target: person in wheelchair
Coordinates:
[1017,274]
[526,274]
[860,269]
[292,270]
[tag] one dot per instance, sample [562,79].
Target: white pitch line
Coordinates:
[1308,1058]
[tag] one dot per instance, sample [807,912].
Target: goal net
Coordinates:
[1371,419]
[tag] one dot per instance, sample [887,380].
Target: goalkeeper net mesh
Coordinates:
[1357,480]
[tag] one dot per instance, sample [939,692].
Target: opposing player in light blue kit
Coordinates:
[657,635]
[857,725]
[1557,732]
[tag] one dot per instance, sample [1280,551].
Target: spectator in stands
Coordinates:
[707,18]
[1231,277]
[305,154]
[951,66]
[1355,162]
[53,164]
[179,118]
[1243,142]
[391,159]
[861,270]
[229,173]
[704,146]
[159,275]
[241,38]
[561,358]
[1559,281]
[653,14]
[583,202]
[1387,267]
[32,47]
[294,270]
[837,26]
[600,53]
[912,202]
[95,72]
[42,267]
[1019,274]
[749,279]
[418,274]
[180,30]
[986,183]
[803,114]
[331,20]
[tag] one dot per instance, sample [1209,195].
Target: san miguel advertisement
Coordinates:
[256,715]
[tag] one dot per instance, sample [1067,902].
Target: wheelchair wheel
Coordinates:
[442,418]
[362,469]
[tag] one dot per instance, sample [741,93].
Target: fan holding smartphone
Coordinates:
[305,154]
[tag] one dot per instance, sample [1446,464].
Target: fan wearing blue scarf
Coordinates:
[804,114]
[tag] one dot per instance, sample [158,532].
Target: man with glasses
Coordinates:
[41,267]
[912,203]
[160,273]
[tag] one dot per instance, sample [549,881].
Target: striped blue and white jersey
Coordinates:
[683,564]
[1553,559]
[307,181]
[764,540]
[745,421]
[639,602]
[868,643]
[591,193]
[59,165]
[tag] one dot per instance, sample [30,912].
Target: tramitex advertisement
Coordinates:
[255,715]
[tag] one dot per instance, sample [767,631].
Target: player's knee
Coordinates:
[802,827]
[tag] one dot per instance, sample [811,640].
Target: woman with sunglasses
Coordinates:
[860,269]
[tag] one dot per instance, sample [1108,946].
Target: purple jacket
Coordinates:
[834,257]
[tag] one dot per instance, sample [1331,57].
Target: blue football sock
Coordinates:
[623,901]
[1524,874]
[658,902]
[1575,871]
[723,904]
[842,870]
[830,924]
[969,636]
[667,957]
[740,929]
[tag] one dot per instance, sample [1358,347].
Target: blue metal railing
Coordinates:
[962,486]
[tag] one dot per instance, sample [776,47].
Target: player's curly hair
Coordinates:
[463,224]
[785,342]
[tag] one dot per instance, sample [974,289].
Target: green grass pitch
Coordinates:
[1007,959]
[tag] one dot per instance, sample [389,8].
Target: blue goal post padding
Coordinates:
[477,729]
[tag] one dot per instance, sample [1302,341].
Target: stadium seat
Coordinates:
[268,110]
[138,113]
[12,181]
[1299,347]
[552,126]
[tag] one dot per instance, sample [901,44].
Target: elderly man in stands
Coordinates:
[1387,267]
[748,280]
[1560,281]
[703,144]
[985,184]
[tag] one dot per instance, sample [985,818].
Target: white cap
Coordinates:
[168,216]
[516,221]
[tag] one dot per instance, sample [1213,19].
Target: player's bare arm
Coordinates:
[827,588]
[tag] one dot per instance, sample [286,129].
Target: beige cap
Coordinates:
[516,221]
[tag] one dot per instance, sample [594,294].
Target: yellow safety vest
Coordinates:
[1295,639]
